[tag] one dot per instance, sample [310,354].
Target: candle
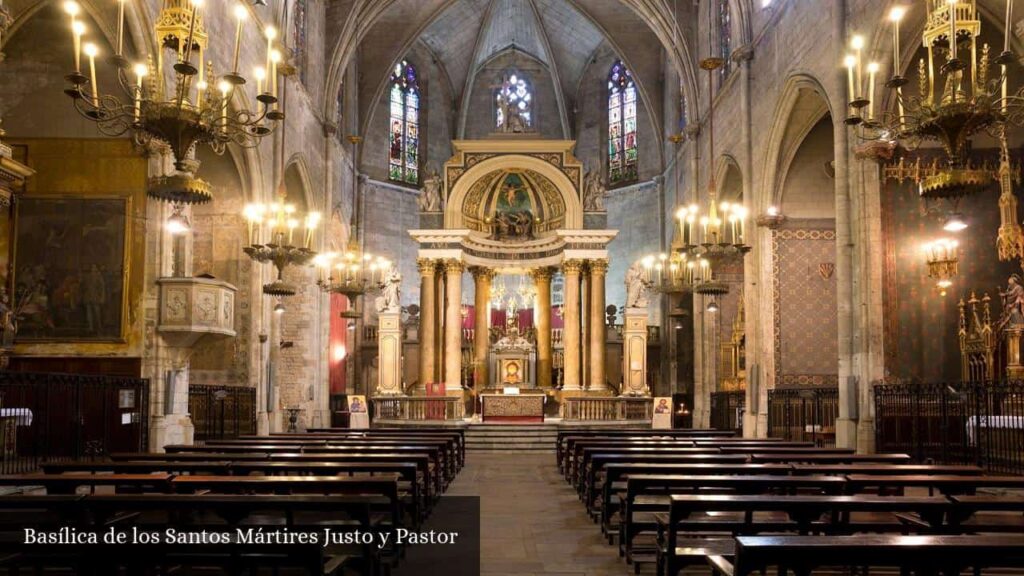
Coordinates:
[120,27]
[952,34]
[91,51]
[858,46]
[275,58]
[241,13]
[260,74]
[691,220]
[872,70]
[850,62]
[704,228]
[140,72]
[1004,83]
[1009,24]
[270,33]
[78,30]
[225,91]
[895,15]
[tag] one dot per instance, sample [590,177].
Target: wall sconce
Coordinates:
[943,257]
[772,218]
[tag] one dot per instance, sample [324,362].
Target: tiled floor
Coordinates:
[531,520]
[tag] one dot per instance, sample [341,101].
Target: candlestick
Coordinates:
[1006,30]
[850,63]
[120,27]
[691,220]
[225,90]
[952,33]
[858,45]
[140,72]
[78,30]
[241,13]
[91,51]
[270,33]
[895,16]
[872,70]
[275,58]
[260,74]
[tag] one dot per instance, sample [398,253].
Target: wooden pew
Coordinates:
[70,483]
[920,554]
[170,467]
[455,437]
[588,488]
[945,484]
[639,432]
[887,469]
[817,458]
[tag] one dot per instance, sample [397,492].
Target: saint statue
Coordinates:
[430,194]
[636,287]
[593,192]
[509,118]
[7,326]
[1013,304]
[390,299]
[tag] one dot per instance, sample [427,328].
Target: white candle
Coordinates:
[241,13]
[872,70]
[952,33]
[858,46]
[140,72]
[850,63]
[225,91]
[120,27]
[91,51]
[260,74]
[77,30]
[270,33]
[275,58]
[1009,24]
[895,15]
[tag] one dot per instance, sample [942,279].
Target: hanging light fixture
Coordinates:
[962,90]
[943,257]
[194,110]
[178,223]
[352,272]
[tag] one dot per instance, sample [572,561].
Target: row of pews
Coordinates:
[210,508]
[691,498]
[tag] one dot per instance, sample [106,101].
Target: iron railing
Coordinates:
[804,414]
[727,410]
[68,417]
[962,423]
[220,412]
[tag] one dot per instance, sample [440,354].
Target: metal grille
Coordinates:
[69,416]
[960,423]
[727,410]
[220,412]
[804,414]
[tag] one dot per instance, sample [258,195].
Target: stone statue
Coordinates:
[509,118]
[593,192]
[636,287]
[1013,304]
[390,299]
[7,325]
[430,194]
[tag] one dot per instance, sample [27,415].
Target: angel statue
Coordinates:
[593,192]
[390,299]
[1013,304]
[430,194]
[636,287]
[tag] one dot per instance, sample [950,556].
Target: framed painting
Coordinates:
[71,268]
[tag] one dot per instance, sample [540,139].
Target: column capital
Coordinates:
[542,273]
[482,272]
[572,266]
[453,266]
[427,266]
[599,266]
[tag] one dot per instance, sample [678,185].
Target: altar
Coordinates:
[512,407]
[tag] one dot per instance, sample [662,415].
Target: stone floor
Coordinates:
[531,520]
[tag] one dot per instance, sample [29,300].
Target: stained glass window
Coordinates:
[404,135]
[299,37]
[515,93]
[682,111]
[724,37]
[622,100]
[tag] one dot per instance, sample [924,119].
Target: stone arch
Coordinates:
[296,170]
[803,103]
[453,212]
[729,178]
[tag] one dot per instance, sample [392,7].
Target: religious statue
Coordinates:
[593,192]
[636,287]
[7,325]
[430,194]
[509,118]
[1013,305]
[390,293]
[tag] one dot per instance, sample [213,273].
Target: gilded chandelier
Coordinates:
[962,91]
[275,236]
[195,109]
[943,257]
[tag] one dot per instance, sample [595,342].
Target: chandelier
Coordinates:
[194,110]
[962,91]
[353,272]
[943,260]
[275,236]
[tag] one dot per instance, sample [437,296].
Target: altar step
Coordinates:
[511,438]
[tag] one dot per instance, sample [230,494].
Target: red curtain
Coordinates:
[338,339]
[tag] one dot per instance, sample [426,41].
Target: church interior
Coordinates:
[578,287]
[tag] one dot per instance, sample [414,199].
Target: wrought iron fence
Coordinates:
[803,414]
[69,416]
[727,410]
[962,423]
[221,411]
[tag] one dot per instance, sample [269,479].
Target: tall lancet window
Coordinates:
[622,152]
[404,139]
[513,109]
[724,37]
[299,37]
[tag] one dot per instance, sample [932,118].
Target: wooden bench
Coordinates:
[920,554]
[886,469]
[70,483]
[818,458]
[588,488]
[150,467]
[945,484]
[564,435]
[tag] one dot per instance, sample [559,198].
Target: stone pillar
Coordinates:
[389,353]
[439,298]
[634,353]
[428,323]
[571,333]
[585,327]
[598,334]
[481,325]
[453,326]
[542,318]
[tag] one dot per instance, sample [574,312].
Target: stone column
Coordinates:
[453,326]
[428,323]
[481,337]
[542,318]
[585,327]
[598,334]
[438,326]
[571,334]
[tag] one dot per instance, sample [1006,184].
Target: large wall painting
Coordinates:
[70,268]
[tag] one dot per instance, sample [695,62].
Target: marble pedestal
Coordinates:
[634,353]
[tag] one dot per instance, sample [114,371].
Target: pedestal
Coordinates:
[389,349]
[634,353]
[1014,368]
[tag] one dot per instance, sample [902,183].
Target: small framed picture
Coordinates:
[126,398]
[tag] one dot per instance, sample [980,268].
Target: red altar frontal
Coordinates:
[512,407]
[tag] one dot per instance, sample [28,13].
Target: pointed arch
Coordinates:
[623,149]
[404,124]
